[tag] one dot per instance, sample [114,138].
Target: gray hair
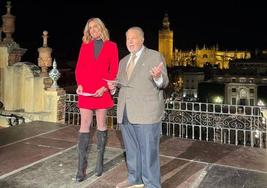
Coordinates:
[139,29]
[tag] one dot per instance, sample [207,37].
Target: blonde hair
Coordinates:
[104,34]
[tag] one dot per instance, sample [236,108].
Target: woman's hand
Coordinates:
[79,89]
[100,92]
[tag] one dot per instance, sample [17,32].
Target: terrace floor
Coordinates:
[44,155]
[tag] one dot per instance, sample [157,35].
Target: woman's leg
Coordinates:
[83,143]
[101,136]
[101,115]
[86,120]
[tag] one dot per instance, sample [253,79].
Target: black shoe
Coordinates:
[80,178]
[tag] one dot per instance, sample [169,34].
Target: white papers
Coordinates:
[86,94]
[115,81]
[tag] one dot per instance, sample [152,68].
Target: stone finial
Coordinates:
[54,74]
[45,36]
[166,23]
[8,24]
[44,60]
[8,6]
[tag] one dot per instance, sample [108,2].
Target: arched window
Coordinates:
[205,56]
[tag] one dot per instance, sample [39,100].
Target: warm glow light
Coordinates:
[218,99]
[261,103]
[257,133]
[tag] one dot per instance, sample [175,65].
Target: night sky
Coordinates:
[230,24]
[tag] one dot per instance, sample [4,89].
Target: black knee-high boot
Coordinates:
[82,156]
[101,143]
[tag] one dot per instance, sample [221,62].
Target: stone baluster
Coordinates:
[44,60]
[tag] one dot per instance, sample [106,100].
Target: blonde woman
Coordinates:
[97,62]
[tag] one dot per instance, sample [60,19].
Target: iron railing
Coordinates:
[220,123]
[72,113]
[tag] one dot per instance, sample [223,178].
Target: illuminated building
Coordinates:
[198,57]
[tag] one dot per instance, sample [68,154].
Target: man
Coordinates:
[141,78]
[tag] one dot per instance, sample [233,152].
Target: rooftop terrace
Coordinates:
[42,154]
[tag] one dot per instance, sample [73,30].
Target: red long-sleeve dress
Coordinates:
[91,71]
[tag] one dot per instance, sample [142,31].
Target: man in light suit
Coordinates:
[140,109]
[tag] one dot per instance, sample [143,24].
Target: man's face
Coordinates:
[134,40]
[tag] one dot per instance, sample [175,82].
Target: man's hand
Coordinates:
[112,86]
[156,71]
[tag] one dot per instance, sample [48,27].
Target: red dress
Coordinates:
[91,71]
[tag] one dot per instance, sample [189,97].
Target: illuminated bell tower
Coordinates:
[166,41]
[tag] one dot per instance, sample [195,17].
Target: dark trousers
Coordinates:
[141,142]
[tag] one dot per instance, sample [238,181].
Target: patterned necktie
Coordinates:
[131,66]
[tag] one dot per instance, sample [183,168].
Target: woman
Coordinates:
[97,62]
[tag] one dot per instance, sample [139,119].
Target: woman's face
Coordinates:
[94,30]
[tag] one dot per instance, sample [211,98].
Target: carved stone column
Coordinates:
[61,106]
[1,35]
[57,100]
[8,24]
[44,60]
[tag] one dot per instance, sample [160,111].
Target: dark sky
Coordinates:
[231,24]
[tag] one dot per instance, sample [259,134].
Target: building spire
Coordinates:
[166,23]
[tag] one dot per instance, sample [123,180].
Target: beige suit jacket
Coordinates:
[140,95]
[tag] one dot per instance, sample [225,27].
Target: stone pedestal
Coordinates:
[56,101]
[15,55]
